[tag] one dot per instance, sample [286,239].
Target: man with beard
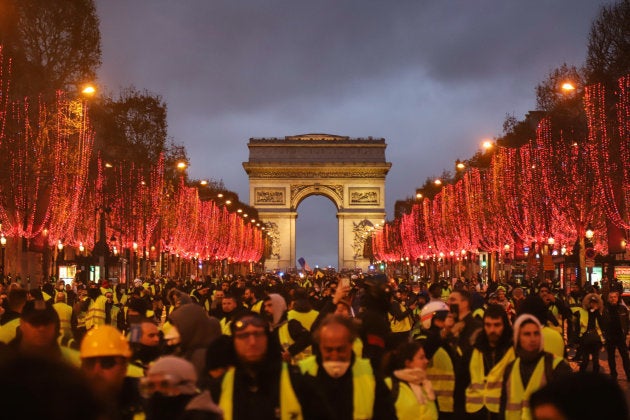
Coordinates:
[492,352]
[260,385]
[532,368]
[146,348]
[250,301]
[231,308]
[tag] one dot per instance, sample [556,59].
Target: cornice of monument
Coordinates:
[317,170]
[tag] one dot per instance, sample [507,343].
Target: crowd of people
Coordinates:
[342,346]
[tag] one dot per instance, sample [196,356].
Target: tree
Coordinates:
[608,55]
[54,44]
[131,128]
[550,93]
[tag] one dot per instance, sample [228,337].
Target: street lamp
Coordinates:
[3,243]
[59,257]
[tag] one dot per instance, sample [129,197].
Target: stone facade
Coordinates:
[350,172]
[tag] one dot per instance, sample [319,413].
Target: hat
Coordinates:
[179,369]
[38,312]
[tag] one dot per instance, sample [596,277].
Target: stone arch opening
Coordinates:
[348,171]
[317,231]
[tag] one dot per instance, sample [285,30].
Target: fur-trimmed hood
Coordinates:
[592,296]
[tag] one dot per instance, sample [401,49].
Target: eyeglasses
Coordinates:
[246,335]
[255,321]
[167,385]
[106,362]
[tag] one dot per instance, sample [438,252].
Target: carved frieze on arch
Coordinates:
[300,191]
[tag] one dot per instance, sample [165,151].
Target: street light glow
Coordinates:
[487,144]
[181,165]
[438,182]
[88,90]
[568,87]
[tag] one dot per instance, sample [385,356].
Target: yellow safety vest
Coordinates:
[442,376]
[552,341]
[65,315]
[256,307]
[584,324]
[407,405]
[363,385]
[285,341]
[96,313]
[225,326]
[8,330]
[517,401]
[485,390]
[290,408]
[404,325]
[305,318]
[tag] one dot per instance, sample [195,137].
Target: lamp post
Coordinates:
[59,258]
[3,243]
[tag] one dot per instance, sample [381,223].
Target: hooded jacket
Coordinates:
[197,330]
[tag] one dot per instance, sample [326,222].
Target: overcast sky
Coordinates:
[434,78]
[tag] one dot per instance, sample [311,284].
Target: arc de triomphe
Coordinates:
[349,171]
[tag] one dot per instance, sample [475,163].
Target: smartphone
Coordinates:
[454,308]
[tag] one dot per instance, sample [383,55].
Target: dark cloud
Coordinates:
[431,77]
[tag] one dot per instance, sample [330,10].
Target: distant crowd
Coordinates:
[342,346]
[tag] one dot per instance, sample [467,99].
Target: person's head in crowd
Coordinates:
[177,298]
[218,296]
[613,297]
[146,345]
[250,333]
[16,298]
[136,310]
[459,301]
[528,338]
[334,337]
[592,302]
[407,362]
[249,295]
[580,396]
[493,299]
[434,314]
[39,328]
[344,308]
[435,290]
[274,307]
[496,327]
[170,384]
[219,357]
[518,293]
[43,388]
[229,303]
[535,305]
[105,354]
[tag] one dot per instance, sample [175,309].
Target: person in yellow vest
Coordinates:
[412,391]
[251,301]
[532,368]
[294,339]
[440,371]
[553,340]
[591,337]
[491,354]
[260,385]
[348,382]
[10,319]
[400,319]
[96,314]
[301,310]
[105,355]
[231,308]
[67,319]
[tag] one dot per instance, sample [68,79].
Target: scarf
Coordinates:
[417,380]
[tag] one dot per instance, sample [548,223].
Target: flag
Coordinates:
[303,264]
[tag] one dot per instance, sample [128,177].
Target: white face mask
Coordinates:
[336,369]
